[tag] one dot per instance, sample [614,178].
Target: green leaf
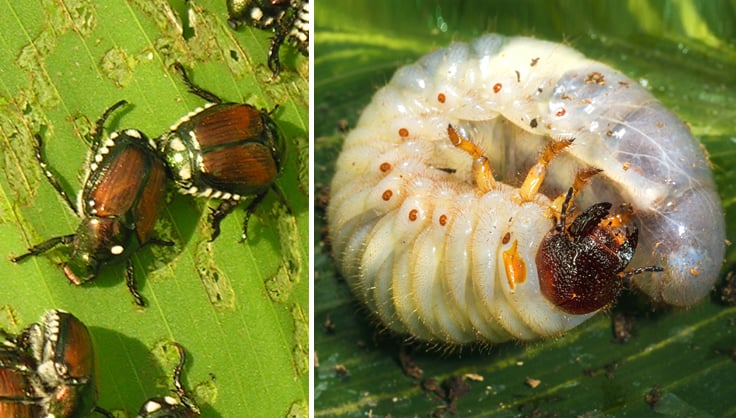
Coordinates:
[239,309]
[683,51]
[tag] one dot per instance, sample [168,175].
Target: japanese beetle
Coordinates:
[289,19]
[225,151]
[56,365]
[123,191]
[62,346]
[179,406]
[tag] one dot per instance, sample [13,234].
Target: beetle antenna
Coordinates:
[560,227]
[646,269]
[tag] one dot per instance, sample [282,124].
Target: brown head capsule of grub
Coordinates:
[581,266]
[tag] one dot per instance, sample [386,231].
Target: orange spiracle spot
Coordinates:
[560,113]
[403,132]
[413,215]
[497,87]
[443,219]
[506,238]
[441,97]
[387,195]
[514,266]
[385,167]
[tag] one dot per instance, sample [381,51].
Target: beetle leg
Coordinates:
[38,152]
[27,399]
[130,283]
[227,206]
[23,364]
[45,246]
[274,62]
[96,138]
[218,214]
[157,241]
[103,412]
[100,124]
[536,174]
[282,198]
[249,211]
[581,178]
[183,396]
[7,337]
[482,172]
[282,30]
[195,89]
[178,369]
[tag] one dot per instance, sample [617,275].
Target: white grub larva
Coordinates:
[433,244]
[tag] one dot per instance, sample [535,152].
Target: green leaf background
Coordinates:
[240,310]
[686,52]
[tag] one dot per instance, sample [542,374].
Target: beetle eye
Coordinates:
[61,369]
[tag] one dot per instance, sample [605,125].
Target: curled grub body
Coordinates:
[423,248]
